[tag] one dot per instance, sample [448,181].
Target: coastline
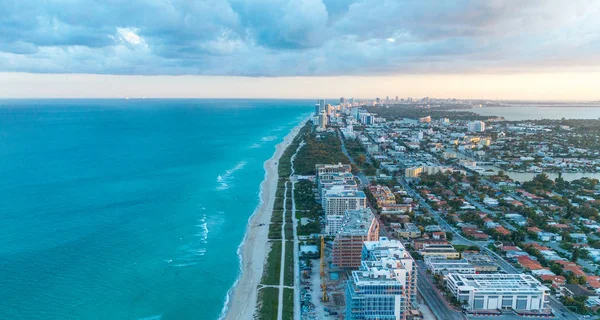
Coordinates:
[241,299]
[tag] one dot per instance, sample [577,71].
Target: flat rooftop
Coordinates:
[497,283]
[356,222]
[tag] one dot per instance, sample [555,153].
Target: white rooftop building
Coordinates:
[499,291]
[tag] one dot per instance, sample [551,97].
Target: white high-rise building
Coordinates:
[476,126]
[335,204]
[385,287]
[323,120]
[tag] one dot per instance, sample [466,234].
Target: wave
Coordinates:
[268,138]
[255,146]
[224,180]
[192,253]
[239,252]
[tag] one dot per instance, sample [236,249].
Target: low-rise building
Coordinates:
[481,262]
[419,244]
[445,250]
[442,266]
[499,291]
[332,168]
[409,230]
[383,195]
[578,237]
[549,236]
[577,290]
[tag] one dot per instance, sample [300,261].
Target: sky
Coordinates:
[494,49]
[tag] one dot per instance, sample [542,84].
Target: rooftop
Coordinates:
[497,282]
[356,222]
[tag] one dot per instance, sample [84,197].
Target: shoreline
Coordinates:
[240,302]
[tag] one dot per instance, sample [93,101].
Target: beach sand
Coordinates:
[242,300]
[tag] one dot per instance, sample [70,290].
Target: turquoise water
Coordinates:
[129,209]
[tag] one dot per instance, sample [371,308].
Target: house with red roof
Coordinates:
[502,230]
[555,280]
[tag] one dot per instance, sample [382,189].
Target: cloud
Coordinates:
[297,37]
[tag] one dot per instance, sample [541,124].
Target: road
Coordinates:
[297,310]
[363,178]
[436,302]
[282,265]
[556,305]
[364,182]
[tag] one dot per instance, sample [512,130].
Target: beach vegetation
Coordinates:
[288,271]
[268,300]
[288,304]
[272,269]
[275,231]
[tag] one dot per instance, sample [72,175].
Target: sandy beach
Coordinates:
[242,300]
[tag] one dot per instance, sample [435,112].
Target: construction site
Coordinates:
[322,287]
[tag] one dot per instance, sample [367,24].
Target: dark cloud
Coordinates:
[296,37]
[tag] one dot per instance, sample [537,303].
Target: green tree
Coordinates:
[575,255]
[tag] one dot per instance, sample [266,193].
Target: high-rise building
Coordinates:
[321,104]
[357,227]
[329,109]
[476,126]
[323,120]
[317,109]
[499,291]
[335,204]
[342,100]
[385,286]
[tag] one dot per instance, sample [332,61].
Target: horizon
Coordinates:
[306,99]
[497,87]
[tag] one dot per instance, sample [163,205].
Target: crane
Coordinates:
[325,298]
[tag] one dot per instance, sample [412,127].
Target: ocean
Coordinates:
[129,209]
